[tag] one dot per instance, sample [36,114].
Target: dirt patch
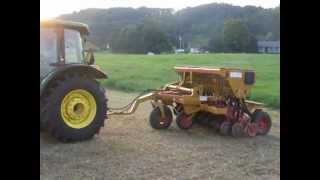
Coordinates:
[128,148]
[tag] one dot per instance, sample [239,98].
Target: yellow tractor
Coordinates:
[214,96]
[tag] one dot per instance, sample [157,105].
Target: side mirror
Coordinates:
[90,60]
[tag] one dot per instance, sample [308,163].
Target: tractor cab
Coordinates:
[73,104]
[61,43]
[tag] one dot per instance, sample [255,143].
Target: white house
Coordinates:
[178,51]
[195,50]
[269,46]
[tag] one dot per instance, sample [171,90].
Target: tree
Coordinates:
[216,44]
[197,25]
[144,38]
[236,36]
[153,38]
[276,23]
[252,46]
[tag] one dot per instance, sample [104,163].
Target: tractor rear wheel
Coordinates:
[263,121]
[76,109]
[158,122]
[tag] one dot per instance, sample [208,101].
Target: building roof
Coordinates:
[269,43]
[82,28]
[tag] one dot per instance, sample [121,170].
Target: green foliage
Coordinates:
[236,36]
[216,44]
[196,25]
[144,38]
[140,72]
[276,24]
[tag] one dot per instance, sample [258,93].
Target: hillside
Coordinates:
[196,25]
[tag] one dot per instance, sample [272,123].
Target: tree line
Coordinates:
[213,27]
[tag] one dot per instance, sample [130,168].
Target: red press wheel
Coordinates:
[237,130]
[184,121]
[263,121]
[251,129]
[225,128]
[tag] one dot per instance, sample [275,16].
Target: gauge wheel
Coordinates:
[158,122]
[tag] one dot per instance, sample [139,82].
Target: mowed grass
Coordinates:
[136,73]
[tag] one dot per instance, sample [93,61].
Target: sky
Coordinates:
[53,8]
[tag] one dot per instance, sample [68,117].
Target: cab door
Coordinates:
[48,50]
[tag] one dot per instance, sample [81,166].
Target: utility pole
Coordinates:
[180,39]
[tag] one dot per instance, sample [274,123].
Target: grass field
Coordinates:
[135,73]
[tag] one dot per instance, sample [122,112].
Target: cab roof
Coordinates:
[82,28]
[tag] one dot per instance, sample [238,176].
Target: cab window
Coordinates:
[48,46]
[73,46]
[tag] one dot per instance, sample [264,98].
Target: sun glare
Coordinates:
[47,13]
[51,9]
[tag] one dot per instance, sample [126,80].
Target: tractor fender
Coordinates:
[92,71]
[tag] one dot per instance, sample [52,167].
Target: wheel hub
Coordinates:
[262,124]
[78,108]
[164,121]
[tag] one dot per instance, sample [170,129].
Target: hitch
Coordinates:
[132,106]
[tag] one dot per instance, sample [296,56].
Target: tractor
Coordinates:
[73,104]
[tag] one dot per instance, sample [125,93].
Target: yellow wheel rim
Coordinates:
[78,108]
